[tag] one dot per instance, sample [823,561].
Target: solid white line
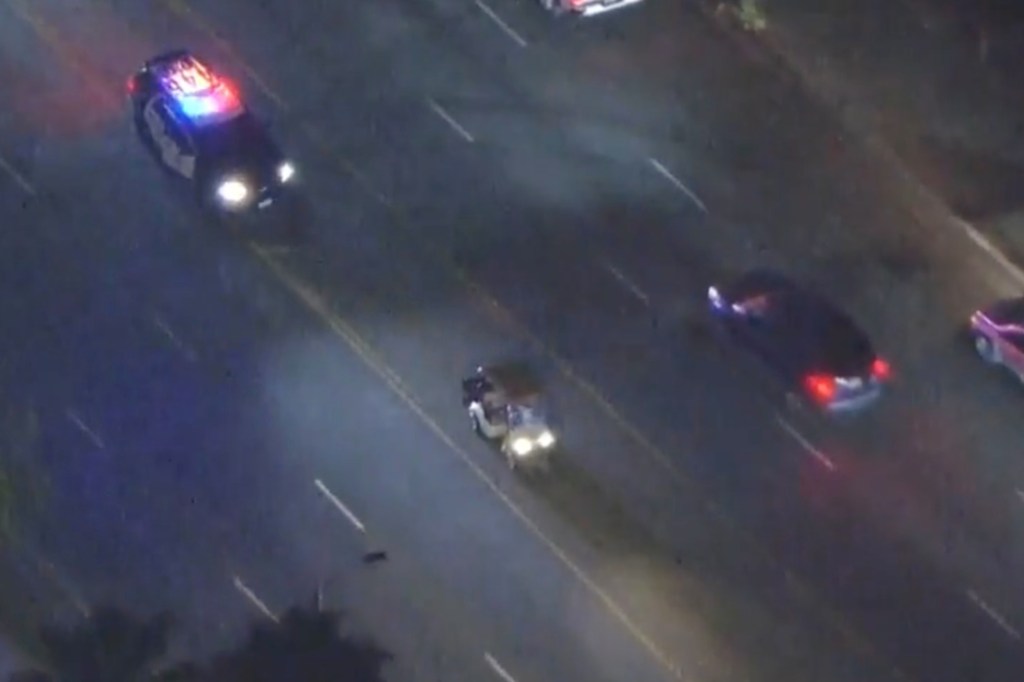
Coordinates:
[496,667]
[667,174]
[84,428]
[169,333]
[450,120]
[340,505]
[628,283]
[993,614]
[501,24]
[806,444]
[986,245]
[18,178]
[254,600]
[372,360]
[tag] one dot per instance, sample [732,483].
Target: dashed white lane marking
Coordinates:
[19,179]
[317,306]
[509,31]
[993,614]
[450,120]
[254,600]
[346,512]
[505,675]
[806,444]
[679,184]
[986,245]
[630,286]
[1020,494]
[84,428]
[166,330]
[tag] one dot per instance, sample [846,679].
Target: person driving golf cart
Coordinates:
[504,406]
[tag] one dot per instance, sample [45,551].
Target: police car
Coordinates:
[197,126]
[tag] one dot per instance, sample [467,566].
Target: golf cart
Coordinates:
[504,406]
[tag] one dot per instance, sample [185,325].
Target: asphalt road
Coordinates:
[593,179]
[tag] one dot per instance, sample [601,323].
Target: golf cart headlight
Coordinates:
[285,172]
[232,191]
[522,446]
[546,439]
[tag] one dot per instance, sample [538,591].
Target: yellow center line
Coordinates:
[184,11]
[51,36]
[181,9]
[321,309]
[491,304]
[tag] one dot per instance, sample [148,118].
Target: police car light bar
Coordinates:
[197,90]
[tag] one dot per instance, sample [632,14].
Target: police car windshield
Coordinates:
[240,138]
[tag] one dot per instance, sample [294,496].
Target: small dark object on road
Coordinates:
[374,557]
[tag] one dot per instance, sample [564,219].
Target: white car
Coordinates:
[585,8]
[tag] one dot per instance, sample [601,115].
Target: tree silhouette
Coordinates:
[108,646]
[305,644]
[23,484]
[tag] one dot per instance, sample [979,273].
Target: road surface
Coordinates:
[488,183]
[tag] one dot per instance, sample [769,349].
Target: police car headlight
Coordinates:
[285,172]
[522,446]
[546,439]
[232,191]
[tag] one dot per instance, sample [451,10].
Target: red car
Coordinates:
[998,332]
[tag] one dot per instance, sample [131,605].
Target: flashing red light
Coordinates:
[880,369]
[822,387]
[129,85]
[198,90]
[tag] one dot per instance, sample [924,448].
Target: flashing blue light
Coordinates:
[198,106]
[198,91]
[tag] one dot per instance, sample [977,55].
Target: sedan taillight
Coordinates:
[821,387]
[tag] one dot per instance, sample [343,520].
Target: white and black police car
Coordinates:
[196,125]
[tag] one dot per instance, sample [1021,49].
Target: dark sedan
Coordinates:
[815,348]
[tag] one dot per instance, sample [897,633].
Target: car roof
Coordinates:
[1007,311]
[197,91]
[828,338]
[516,380]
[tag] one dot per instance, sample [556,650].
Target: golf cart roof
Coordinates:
[515,380]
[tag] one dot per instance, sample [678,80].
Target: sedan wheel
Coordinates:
[985,349]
